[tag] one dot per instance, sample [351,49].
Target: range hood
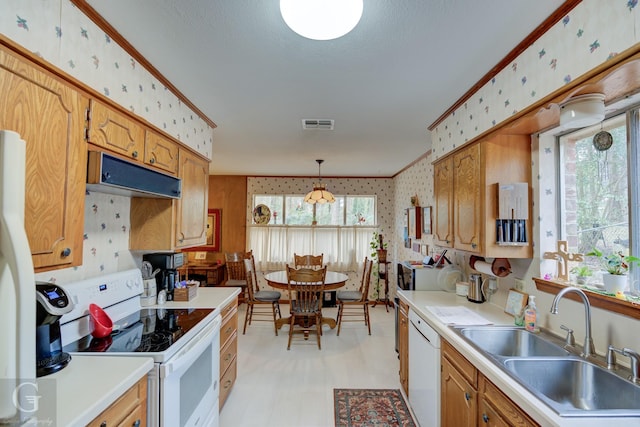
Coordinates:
[110,174]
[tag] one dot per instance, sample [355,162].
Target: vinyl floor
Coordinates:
[294,388]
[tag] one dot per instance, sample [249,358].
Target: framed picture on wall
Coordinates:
[414,222]
[426,220]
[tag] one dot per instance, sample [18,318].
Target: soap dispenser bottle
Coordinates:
[531,316]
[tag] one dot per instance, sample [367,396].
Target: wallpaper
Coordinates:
[592,33]
[62,35]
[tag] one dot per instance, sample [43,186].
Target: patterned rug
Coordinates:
[370,407]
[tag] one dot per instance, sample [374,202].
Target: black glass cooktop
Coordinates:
[151,330]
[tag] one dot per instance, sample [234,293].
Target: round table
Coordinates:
[332,280]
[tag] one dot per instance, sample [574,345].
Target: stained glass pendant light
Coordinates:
[319,194]
[321,19]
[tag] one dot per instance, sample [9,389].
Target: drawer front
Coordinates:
[228,328]
[130,402]
[460,363]
[228,309]
[226,382]
[228,353]
[504,405]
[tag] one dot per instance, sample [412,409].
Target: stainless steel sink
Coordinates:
[572,386]
[510,342]
[568,384]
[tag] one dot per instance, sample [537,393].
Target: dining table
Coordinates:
[333,280]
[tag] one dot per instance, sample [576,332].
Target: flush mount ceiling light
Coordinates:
[319,194]
[321,19]
[582,111]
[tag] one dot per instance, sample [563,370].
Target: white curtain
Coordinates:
[344,248]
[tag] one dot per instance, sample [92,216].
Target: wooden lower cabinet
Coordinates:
[228,350]
[470,399]
[403,345]
[130,410]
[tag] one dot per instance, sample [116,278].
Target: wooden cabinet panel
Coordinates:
[51,117]
[466,194]
[228,350]
[505,411]
[160,152]
[403,346]
[129,410]
[443,203]
[191,208]
[115,131]
[459,400]
[162,224]
[467,203]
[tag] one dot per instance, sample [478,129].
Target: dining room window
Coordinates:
[342,232]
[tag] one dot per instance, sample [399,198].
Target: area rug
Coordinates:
[370,407]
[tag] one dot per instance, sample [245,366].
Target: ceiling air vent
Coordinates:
[317,124]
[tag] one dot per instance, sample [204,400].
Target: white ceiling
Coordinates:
[384,83]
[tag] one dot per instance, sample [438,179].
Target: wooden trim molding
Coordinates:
[555,17]
[91,13]
[604,302]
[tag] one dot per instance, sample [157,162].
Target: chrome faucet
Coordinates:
[635,360]
[588,348]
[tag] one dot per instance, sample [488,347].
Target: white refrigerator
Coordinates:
[18,387]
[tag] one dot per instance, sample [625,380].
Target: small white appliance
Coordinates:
[183,386]
[17,287]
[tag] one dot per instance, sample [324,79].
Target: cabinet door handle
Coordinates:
[473,245]
[152,161]
[467,396]
[103,424]
[135,154]
[66,252]
[485,418]
[136,424]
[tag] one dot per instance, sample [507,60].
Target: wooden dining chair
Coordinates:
[236,274]
[305,287]
[356,303]
[257,299]
[308,261]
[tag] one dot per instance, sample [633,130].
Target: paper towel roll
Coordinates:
[500,267]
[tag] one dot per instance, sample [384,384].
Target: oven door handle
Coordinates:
[189,353]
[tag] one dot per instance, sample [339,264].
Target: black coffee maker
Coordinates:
[52,303]
[168,264]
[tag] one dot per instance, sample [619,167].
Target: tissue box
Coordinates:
[186,294]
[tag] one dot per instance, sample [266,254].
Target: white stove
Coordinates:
[184,344]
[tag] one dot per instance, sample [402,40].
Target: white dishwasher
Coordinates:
[424,371]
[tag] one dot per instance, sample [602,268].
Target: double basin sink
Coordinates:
[567,383]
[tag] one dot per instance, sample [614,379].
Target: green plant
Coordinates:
[615,263]
[376,244]
[582,271]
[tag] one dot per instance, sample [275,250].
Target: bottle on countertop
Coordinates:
[531,316]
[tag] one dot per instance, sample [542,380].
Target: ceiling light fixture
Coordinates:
[319,194]
[321,19]
[582,111]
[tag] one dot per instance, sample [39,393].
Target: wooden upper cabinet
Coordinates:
[443,209]
[467,203]
[191,208]
[115,131]
[163,224]
[466,194]
[50,116]
[160,152]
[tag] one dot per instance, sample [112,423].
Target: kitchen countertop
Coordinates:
[86,387]
[536,409]
[90,384]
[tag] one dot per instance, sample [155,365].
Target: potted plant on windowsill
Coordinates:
[582,272]
[616,265]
